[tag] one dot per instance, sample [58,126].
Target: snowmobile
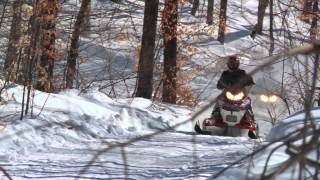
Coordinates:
[232,116]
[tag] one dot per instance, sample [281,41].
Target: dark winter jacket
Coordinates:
[232,78]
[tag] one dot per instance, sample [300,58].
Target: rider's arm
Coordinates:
[248,81]
[247,89]
[222,81]
[220,85]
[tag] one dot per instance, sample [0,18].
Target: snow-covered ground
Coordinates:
[90,136]
[67,131]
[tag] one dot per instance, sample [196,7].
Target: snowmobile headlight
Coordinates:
[273,98]
[236,97]
[239,96]
[264,98]
[229,95]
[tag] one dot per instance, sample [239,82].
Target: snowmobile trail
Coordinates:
[166,156]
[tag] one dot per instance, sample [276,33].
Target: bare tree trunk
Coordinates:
[314,33]
[146,62]
[307,10]
[3,12]
[73,51]
[85,29]
[31,52]
[195,6]
[314,23]
[48,14]
[169,25]
[13,46]
[271,29]
[263,4]
[210,12]
[222,20]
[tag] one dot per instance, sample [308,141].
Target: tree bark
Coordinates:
[307,9]
[314,23]
[195,6]
[73,51]
[146,61]
[314,34]
[48,14]
[169,25]
[263,4]
[31,52]
[3,12]
[210,12]
[222,20]
[86,26]
[271,29]
[14,37]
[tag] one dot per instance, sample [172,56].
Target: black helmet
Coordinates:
[233,62]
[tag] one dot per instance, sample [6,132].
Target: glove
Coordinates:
[245,102]
[236,107]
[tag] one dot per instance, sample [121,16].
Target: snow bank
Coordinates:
[283,128]
[293,123]
[71,119]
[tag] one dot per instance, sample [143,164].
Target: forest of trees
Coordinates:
[34,26]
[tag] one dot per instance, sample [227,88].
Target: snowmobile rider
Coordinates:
[233,78]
